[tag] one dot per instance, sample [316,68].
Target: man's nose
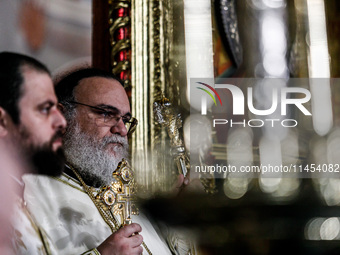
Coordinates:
[59,121]
[119,128]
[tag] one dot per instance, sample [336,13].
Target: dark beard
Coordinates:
[47,162]
[42,158]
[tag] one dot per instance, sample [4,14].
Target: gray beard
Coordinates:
[91,157]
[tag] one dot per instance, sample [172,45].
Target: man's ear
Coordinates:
[3,122]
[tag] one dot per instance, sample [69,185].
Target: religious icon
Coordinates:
[228,51]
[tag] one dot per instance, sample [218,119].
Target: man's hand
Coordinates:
[179,185]
[181,181]
[184,184]
[126,241]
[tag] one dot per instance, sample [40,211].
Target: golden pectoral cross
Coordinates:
[126,199]
[125,190]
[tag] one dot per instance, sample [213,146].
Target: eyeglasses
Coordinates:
[106,118]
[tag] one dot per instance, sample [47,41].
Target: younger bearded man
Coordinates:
[30,120]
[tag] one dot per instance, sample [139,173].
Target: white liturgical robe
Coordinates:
[72,221]
[28,238]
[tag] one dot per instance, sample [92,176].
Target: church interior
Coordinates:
[264,171]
